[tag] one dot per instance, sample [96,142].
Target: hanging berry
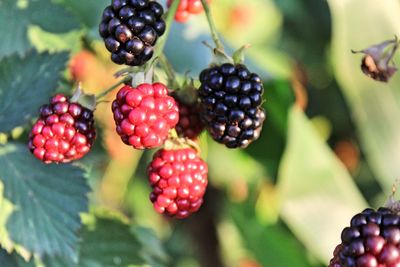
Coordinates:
[179,180]
[187,8]
[231,98]
[64,132]
[130,29]
[144,115]
[371,240]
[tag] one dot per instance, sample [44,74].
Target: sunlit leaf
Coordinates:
[318,195]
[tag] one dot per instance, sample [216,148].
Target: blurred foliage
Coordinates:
[282,202]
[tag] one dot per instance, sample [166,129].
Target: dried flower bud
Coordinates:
[378,60]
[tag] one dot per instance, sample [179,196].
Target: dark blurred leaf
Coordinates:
[272,245]
[51,17]
[25,84]
[269,148]
[12,260]
[318,194]
[46,201]
[14,22]
[88,12]
[108,242]
[152,249]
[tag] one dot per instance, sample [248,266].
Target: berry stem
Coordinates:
[213,28]
[169,18]
[108,90]
[169,71]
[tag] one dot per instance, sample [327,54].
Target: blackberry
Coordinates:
[372,240]
[179,180]
[231,98]
[64,132]
[130,29]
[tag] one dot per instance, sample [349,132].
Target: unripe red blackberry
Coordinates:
[372,240]
[130,29]
[187,8]
[189,125]
[64,132]
[231,98]
[144,115]
[179,180]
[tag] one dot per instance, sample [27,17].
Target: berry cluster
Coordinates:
[372,240]
[231,99]
[227,105]
[179,180]
[64,132]
[144,115]
[187,8]
[189,124]
[130,29]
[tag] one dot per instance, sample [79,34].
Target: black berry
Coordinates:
[231,99]
[371,240]
[130,29]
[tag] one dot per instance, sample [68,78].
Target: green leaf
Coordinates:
[15,19]
[81,9]
[46,199]
[272,245]
[13,260]
[318,195]
[56,20]
[25,84]
[109,242]
[375,106]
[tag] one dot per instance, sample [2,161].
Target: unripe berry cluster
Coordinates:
[144,115]
[63,133]
[179,181]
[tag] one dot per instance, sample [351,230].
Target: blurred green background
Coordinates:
[329,148]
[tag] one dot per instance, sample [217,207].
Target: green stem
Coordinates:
[169,19]
[169,71]
[108,90]
[214,32]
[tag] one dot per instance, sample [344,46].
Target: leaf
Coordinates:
[81,9]
[56,20]
[15,19]
[241,166]
[272,245]
[318,195]
[25,84]
[13,260]
[109,242]
[375,106]
[46,199]
[152,249]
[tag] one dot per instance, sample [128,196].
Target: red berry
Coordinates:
[194,6]
[190,124]
[186,8]
[64,132]
[179,181]
[144,115]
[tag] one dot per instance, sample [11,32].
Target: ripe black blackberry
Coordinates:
[130,29]
[231,98]
[372,240]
